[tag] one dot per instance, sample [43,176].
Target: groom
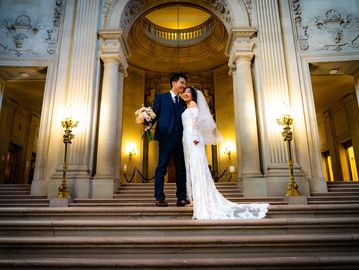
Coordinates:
[168,108]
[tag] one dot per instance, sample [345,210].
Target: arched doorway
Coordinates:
[168,38]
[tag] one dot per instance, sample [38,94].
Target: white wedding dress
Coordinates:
[208,202]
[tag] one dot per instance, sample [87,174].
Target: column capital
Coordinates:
[242,50]
[113,48]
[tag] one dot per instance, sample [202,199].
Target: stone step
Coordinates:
[179,262]
[150,195]
[187,228]
[343,182]
[173,200]
[19,196]
[24,205]
[335,194]
[340,189]
[158,213]
[336,201]
[344,244]
[151,190]
[11,192]
[22,201]
[329,197]
[145,204]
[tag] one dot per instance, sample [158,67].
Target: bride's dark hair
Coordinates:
[193,93]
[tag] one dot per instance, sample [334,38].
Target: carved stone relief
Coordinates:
[27,34]
[334,30]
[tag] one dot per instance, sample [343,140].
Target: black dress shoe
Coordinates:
[161,203]
[182,203]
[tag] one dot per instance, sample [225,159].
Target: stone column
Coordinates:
[112,54]
[245,111]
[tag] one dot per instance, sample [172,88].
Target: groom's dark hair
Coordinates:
[176,76]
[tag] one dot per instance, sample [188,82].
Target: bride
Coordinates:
[199,129]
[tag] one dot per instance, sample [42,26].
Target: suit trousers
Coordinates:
[166,149]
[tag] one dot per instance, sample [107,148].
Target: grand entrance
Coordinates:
[165,39]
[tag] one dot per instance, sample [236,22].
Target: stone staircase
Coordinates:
[339,192]
[128,232]
[17,195]
[142,195]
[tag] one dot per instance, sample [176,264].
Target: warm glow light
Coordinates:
[228,149]
[131,150]
[188,17]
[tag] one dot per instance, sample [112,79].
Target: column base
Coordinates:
[102,188]
[60,202]
[272,186]
[39,188]
[296,200]
[318,185]
[77,179]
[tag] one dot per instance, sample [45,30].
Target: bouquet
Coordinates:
[145,116]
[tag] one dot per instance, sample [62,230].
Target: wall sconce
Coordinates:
[131,150]
[228,149]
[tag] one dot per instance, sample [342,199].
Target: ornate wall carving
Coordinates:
[28,33]
[335,29]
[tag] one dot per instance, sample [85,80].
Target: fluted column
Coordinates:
[79,91]
[274,97]
[113,56]
[275,85]
[245,111]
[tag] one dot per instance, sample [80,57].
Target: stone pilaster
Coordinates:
[274,97]
[80,96]
[113,56]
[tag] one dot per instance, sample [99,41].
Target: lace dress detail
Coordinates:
[208,202]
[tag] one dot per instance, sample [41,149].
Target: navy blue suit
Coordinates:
[168,133]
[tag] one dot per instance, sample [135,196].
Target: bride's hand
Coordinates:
[195,142]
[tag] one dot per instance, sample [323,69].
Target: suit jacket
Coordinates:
[164,108]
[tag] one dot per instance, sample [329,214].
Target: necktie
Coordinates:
[176,100]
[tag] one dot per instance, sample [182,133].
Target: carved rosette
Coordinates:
[26,35]
[334,31]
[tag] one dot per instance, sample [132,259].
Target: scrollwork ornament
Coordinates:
[25,34]
[337,30]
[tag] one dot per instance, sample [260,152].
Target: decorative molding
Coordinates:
[335,30]
[107,4]
[239,43]
[249,7]
[28,35]
[112,45]
[301,30]
[243,33]
[241,50]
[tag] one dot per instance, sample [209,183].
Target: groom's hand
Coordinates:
[195,142]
